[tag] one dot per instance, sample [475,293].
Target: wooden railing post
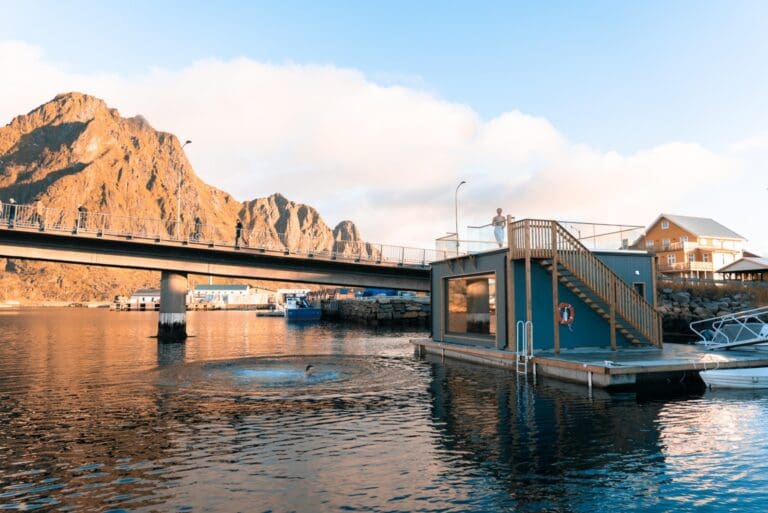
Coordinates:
[511,316]
[612,308]
[528,289]
[555,286]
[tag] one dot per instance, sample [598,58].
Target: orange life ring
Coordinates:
[565,313]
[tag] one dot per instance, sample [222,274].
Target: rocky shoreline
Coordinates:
[681,307]
[379,311]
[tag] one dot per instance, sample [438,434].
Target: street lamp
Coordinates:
[456,212]
[178,196]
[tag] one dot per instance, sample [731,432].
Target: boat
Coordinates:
[756,377]
[276,312]
[297,308]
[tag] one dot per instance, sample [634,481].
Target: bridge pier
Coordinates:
[172,326]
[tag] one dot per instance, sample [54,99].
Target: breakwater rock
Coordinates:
[681,307]
[379,310]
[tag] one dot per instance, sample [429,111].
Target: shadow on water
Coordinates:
[555,446]
[171,353]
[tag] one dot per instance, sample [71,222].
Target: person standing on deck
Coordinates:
[499,222]
[238,233]
[198,229]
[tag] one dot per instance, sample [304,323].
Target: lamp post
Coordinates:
[456,212]
[178,196]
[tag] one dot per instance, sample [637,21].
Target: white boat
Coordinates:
[756,377]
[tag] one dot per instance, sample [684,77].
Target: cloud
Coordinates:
[386,156]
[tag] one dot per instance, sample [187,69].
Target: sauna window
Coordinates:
[472,304]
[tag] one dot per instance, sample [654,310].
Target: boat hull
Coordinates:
[736,378]
[302,314]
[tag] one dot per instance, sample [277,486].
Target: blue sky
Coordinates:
[601,111]
[616,75]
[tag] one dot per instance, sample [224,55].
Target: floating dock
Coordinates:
[604,368]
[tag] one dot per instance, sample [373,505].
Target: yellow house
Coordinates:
[692,247]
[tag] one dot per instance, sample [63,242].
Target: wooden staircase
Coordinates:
[591,299]
[588,278]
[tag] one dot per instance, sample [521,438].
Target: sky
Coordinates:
[375,111]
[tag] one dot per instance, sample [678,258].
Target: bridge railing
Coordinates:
[82,223]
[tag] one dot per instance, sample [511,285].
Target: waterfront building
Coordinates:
[230,296]
[144,299]
[748,268]
[546,289]
[691,247]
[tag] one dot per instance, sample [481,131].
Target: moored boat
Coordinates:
[756,377]
[297,308]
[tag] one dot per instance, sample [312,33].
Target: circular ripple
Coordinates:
[284,378]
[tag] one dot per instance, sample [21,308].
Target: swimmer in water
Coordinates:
[309,371]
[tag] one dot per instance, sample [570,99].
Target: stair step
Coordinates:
[596,303]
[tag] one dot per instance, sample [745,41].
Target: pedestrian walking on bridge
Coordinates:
[39,215]
[81,223]
[11,212]
[238,233]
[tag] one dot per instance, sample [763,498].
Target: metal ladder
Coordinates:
[524,330]
[744,328]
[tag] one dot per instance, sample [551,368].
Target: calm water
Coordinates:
[94,416]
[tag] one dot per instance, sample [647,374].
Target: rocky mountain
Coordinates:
[76,150]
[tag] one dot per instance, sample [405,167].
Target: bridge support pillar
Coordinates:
[172,326]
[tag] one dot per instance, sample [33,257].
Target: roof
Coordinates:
[699,226]
[213,288]
[146,292]
[746,265]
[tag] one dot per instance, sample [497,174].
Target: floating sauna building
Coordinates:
[550,283]
[550,304]
[546,292]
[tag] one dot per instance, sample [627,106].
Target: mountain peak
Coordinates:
[75,149]
[69,108]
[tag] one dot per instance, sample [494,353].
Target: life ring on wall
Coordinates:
[565,314]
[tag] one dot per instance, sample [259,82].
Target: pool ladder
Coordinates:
[524,330]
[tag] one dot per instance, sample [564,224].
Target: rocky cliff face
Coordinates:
[76,150]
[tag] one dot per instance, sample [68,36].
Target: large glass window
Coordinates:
[472,304]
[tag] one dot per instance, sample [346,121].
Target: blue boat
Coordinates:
[297,308]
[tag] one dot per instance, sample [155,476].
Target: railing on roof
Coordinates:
[87,224]
[545,239]
[594,236]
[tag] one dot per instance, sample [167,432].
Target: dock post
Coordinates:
[555,286]
[612,312]
[172,326]
[528,289]
[511,321]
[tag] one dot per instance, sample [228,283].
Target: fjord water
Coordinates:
[96,416]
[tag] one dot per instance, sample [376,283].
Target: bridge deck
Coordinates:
[209,258]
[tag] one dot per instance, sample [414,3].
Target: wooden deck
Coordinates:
[605,368]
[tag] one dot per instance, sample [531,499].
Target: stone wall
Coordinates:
[681,307]
[379,310]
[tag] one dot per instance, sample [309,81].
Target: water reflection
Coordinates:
[554,448]
[95,415]
[171,353]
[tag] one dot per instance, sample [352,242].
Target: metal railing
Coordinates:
[594,236]
[197,233]
[736,329]
[539,238]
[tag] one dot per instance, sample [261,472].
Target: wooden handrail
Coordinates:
[537,242]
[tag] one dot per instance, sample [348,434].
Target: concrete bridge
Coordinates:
[33,233]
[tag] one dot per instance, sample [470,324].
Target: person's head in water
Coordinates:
[309,370]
